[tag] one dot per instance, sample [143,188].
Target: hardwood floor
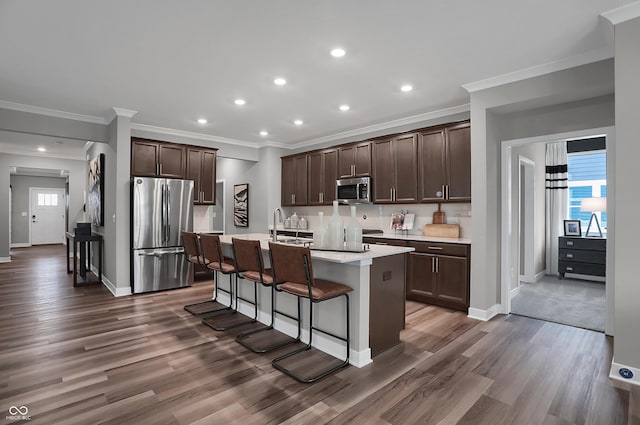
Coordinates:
[81,356]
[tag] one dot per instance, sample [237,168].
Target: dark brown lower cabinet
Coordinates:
[438,273]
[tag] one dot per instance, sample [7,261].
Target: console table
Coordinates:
[582,255]
[85,255]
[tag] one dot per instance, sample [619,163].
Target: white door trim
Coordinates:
[59,189]
[529,199]
[506,205]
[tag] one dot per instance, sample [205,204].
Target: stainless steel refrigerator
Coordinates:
[160,210]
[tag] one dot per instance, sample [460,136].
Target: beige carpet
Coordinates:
[571,302]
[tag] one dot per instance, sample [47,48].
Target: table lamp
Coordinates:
[593,205]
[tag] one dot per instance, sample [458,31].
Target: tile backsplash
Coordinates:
[372,216]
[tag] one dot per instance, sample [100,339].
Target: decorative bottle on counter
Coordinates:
[302,223]
[295,221]
[354,232]
[336,229]
[320,234]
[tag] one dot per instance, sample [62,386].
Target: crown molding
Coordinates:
[121,112]
[51,112]
[623,13]
[385,125]
[191,135]
[273,144]
[538,70]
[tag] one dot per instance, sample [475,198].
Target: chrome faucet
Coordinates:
[276,213]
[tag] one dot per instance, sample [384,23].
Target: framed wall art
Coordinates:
[241,205]
[95,190]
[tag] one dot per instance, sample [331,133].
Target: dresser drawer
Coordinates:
[581,268]
[591,244]
[438,248]
[582,256]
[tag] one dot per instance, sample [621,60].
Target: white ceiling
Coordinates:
[177,61]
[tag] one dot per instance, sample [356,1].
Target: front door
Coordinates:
[47,216]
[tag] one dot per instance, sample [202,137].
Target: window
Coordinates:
[47,199]
[587,179]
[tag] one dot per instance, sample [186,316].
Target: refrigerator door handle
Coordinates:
[162,220]
[168,200]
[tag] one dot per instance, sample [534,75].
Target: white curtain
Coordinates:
[557,202]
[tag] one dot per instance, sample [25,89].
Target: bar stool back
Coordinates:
[293,272]
[193,250]
[250,266]
[212,252]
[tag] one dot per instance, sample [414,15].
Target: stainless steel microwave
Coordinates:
[353,191]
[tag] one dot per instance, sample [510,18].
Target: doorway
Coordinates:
[511,250]
[46,216]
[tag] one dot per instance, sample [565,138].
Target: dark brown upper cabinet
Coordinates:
[395,169]
[294,180]
[323,171]
[151,158]
[201,168]
[444,164]
[354,160]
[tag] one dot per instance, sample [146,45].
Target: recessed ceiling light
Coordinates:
[344,107]
[264,133]
[239,102]
[338,52]
[280,81]
[298,122]
[202,121]
[406,87]
[41,149]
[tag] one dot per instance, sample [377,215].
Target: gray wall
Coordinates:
[627,152]
[20,202]
[567,100]
[77,184]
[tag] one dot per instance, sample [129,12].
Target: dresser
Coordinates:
[582,255]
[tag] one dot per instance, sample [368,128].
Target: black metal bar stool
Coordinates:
[228,317]
[191,244]
[293,272]
[250,266]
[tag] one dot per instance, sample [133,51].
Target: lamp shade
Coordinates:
[593,204]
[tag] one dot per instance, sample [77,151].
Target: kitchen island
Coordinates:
[377,277]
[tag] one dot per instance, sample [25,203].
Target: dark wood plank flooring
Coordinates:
[81,356]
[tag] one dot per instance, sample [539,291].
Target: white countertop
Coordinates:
[418,238]
[374,251]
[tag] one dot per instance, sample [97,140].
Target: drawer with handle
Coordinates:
[590,244]
[581,268]
[459,250]
[582,256]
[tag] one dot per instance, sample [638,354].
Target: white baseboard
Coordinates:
[485,315]
[540,275]
[615,373]
[5,259]
[20,245]
[115,290]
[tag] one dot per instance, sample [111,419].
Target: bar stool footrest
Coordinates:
[264,339]
[205,307]
[312,364]
[227,320]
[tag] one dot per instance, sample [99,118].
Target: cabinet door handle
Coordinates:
[569,269]
[433,264]
[437,248]
[321,197]
[157,169]
[437,264]
[569,243]
[353,169]
[160,169]
[447,191]
[569,255]
[444,192]
[293,199]
[391,193]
